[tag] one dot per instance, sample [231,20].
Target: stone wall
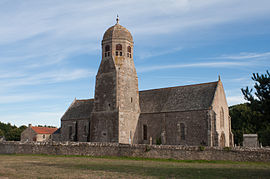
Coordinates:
[28,135]
[166,127]
[223,120]
[145,151]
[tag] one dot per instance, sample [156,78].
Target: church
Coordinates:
[183,115]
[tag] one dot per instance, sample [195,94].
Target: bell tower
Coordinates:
[116,105]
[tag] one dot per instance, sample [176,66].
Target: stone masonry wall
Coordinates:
[223,127]
[145,151]
[167,127]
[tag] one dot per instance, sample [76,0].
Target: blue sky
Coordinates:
[50,50]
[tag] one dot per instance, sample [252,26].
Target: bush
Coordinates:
[158,141]
[201,148]
[227,148]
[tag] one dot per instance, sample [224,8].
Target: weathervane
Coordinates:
[117,19]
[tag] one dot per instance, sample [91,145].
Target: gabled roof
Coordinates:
[44,130]
[79,109]
[180,98]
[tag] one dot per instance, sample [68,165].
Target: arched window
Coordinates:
[118,47]
[118,51]
[221,118]
[222,141]
[85,130]
[182,130]
[107,51]
[70,132]
[129,51]
[144,132]
[107,48]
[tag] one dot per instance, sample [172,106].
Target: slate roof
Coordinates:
[79,109]
[180,98]
[44,130]
[58,131]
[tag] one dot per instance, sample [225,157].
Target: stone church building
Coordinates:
[182,115]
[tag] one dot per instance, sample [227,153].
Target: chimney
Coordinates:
[29,125]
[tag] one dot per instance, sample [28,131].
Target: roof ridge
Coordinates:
[179,86]
[44,130]
[85,99]
[43,127]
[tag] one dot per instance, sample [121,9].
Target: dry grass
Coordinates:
[38,166]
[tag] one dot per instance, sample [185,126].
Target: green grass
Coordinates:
[50,166]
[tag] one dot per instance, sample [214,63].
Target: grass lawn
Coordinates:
[48,166]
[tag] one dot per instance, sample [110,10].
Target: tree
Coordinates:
[242,121]
[11,132]
[14,134]
[22,128]
[1,133]
[47,126]
[260,105]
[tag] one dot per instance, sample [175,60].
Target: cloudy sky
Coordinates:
[50,50]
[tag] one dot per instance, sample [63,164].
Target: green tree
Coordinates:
[14,135]
[259,103]
[6,127]
[1,133]
[11,132]
[242,121]
[22,128]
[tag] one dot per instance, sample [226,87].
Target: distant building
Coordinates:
[39,134]
[2,138]
[183,115]
[250,140]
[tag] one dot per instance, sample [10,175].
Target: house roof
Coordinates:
[79,109]
[180,98]
[44,130]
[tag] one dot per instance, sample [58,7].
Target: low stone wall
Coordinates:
[145,151]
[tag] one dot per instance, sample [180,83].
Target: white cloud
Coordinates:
[52,31]
[74,20]
[233,100]
[243,55]
[18,98]
[190,65]
[148,54]
[47,77]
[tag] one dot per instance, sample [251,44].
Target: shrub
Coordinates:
[201,148]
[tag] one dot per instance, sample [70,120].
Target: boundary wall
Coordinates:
[137,150]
